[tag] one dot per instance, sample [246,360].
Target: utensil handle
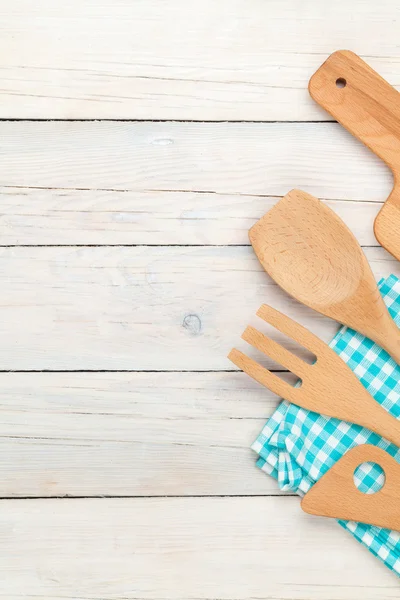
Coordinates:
[386,224]
[380,421]
[362,101]
[388,337]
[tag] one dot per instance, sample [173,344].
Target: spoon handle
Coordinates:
[388,337]
[362,101]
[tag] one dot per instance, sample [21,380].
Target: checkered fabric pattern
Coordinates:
[297,446]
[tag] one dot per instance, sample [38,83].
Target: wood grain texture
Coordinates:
[180,59]
[193,548]
[369,108]
[335,494]
[163,433]
[311,254]
[175,183]
[131,434]
[328,386]
[223,158]
[66,216]
[138,308]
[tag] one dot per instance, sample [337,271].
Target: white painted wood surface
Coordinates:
[140,308]
[131,434]
[126,276]
[223,158]
[175,183]
[182,59]
[192,548]
[32,216]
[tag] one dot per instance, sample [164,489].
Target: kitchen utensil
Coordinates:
[366,105]
[335,494]
[328,386]
[308,250]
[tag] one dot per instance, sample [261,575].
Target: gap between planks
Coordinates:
[133,120]
[133,184]
[96,309]
[96,435]
[136,497]
[183,548]
[135,246]
[162,62]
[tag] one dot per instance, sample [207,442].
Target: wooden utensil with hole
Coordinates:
[335,494]
[328,386]
[369,107]
[310,253]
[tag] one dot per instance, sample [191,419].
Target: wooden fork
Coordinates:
[328,386]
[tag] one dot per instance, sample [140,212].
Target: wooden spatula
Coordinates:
[328,386]
[308,250]
[335,494]
[369,108]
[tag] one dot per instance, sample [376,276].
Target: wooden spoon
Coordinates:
[368,107]
[308,250]
[335,494]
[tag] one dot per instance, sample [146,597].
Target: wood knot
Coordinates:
[192,323]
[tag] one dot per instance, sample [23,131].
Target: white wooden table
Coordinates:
[139,140]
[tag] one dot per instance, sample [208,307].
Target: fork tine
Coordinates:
[291,328]
[275,351]
[263,376]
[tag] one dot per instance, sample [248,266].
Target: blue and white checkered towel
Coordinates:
[297,446]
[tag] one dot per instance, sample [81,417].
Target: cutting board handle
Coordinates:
[386,224]
[362,101]
[335,494]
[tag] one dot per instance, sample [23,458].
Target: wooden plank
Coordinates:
[121,308]
[195,59]
[193,548]
[131,434]
[224,158]
[175,183]
[53,216]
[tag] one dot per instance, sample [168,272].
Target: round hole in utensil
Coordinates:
[369,478]
[341,82]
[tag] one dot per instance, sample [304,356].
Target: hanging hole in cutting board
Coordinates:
[341,82]
[369,477]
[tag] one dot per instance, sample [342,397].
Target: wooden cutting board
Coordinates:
[369,107]
[335,494]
